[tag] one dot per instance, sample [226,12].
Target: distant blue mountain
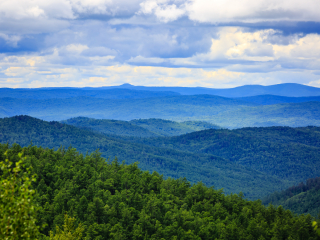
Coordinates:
[273,99]
[224,112]
[128,91]
[112,93]
[285,89]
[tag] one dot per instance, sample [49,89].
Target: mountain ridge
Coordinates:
[221,111]
[284,89]
[128,90]
[209,169]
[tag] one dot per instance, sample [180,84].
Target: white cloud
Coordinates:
[165,10]
[233,43]
[16,9]
[44,72]
[144,60]
[307,47]
[236,46]
[76,48]
[114,41]
[66,9]
[11,40]
[214,11]
[314,83]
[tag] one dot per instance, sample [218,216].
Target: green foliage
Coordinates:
[69,232]
[287,153]
[316,227]
[116,201]
[18,213]
[303,198]
[210,169]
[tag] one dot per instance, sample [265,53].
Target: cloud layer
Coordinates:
[212,43]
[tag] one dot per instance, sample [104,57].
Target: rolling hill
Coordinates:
[139,127]
[274,99]
[210,169]
[224,112]
[111,127]
[286,114]
[287,153]
[301,199]
[179,107]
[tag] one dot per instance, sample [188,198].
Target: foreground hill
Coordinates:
[139,127]
[224,112]
[288,153]
[303,198]
[114,201]
[211,170]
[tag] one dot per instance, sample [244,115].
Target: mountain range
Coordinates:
[127,102]
[256,161]
[221,111]
[284,89]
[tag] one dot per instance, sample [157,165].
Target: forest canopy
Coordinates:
[109,200]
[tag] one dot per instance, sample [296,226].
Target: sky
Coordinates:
[207,43]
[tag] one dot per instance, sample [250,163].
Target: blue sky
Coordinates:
[208,43]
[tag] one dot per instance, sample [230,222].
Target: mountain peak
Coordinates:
[126,85]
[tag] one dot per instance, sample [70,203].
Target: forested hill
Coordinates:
[303,198]
[113,201]
[113,127]
[139,127]
[210,169]
[288,153]
[171,128]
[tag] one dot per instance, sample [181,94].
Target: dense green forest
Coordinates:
[210,169]
[288,153]
[139,127]
[116,201]
[256,161]
[303,198]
